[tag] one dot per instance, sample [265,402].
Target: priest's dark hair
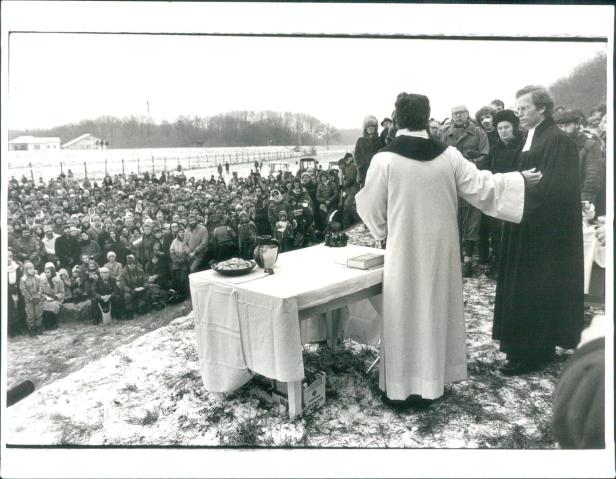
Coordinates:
[412,111]
[498,102]
[541,97]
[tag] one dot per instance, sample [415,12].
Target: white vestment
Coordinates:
[414,204]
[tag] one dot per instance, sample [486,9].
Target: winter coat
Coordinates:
[67,250]
[591,166]
[30,287]
[92,249]
[179,254]
[196,239]
[327,194]
[102,288]
[504,156]
[129,280]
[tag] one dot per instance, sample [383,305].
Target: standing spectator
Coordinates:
[247,236]
[90,248]
[504,158]
[49,245]
[539,293]
[105,296]
[52,289]
[15,300]
[595,115]
[365,147]
[224,239]
[472,142]
[133,286]
[196,238]
[28,248]
[65,277]
[113,244]
[327,198]
[276,205]
[434,128]
[180,266]
[350,187]
[283,232]
[30,287]
[497,105]
[485,118]
[145,248]
[384,137]
[227,167]
[591,169]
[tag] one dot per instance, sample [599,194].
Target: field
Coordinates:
[195,161]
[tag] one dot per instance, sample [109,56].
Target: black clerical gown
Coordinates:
[539,294]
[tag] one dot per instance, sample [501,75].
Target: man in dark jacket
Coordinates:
[473,143]
[350,187]
[591,165]
[540,288]
[104,295]
[67,248]
[366,147]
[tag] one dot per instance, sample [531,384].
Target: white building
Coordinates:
[31,143]
[84,142]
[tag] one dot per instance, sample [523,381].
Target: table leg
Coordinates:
[294,391]
[333,324]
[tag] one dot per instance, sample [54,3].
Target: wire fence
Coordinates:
[98,168]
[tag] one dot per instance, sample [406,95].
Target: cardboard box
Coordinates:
[313,391]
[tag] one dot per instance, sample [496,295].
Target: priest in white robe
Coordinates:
[410,198]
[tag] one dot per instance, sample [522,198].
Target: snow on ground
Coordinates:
[149,391]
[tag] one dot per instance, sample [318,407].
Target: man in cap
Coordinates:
[366,146]
[196,238]
[591,169]
[472,142]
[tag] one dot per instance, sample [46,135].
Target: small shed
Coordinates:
[31,143]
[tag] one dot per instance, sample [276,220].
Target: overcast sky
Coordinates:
[62,77]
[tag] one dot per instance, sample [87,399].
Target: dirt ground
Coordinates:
[138,383]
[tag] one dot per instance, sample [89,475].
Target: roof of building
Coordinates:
[78,139]
[35,139]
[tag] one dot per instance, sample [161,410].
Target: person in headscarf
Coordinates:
[114,267]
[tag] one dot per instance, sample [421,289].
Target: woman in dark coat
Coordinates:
[539,294]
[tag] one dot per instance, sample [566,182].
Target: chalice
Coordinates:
[269,254]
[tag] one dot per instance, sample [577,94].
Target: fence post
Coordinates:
[85,170]
[165,163]
[105,166]
[189,162]
[61,170]
[31,172]
[122,166]
[152,164]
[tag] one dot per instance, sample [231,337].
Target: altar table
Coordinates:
[252,322]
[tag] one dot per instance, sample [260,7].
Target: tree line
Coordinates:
[237,128]
[585,87]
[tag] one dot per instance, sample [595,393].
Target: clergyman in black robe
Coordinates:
[539,293]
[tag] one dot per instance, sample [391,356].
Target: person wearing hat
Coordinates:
[133,286]
[246,235]
[503,159]
[591,168]
[105,296]
[196,238]
[472,142]
[384,137]
[112,265]
[28,247]
[277,204]
[366,146]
